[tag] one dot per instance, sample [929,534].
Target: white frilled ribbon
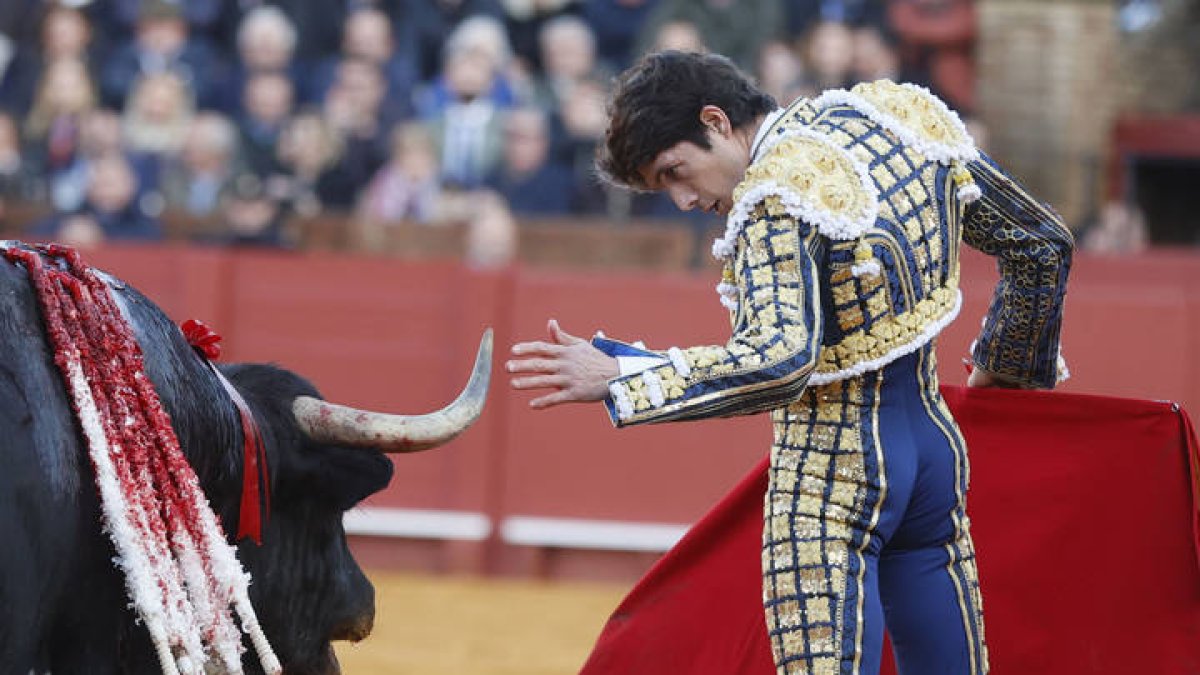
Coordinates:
[679,361]
[944,153]
[833,225]
[621,401]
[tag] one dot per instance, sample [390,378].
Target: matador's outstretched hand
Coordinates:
[569,365]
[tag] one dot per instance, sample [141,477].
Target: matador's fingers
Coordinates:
[533,366]
[539,382]
[559,335]
[536,348]
[550,400]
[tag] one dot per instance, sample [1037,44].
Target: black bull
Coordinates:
[63,607]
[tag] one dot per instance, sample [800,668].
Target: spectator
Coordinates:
[465,103]
[937,43]
[491,233]
[157,116]
[266,43]
[193,182]
[734,28]
[428,25]
[678,35]
[65,34]
[203,18]
[524,22]
[482,43]
[14,183]
[875,56]
[368,37]
[99,136]
[568,56]
[318,24]
[354,108]
[15,19]
[781,73]
[583,120]
[527,178]
[251,215]
[10,155]
[52,128]
[828,51]
[110,213]
[162,42]
[315,179]
[802,15]
[407,187]
[616,24]
[1119,229]
[268,101]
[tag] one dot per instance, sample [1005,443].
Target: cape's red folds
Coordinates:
[1084,512]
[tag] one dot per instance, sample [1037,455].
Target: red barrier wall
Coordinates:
[399,336]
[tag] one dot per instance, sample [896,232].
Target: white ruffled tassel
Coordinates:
[1064,373]
[865,262]
[132,557]
[723,248]
[969,193]
[870,268]
[621,400]
[729,294]
[654,388]
[679,361]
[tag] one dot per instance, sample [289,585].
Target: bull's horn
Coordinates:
[326,422]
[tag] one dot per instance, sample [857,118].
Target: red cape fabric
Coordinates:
[1084,511]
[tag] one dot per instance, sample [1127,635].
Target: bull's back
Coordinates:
[54,561]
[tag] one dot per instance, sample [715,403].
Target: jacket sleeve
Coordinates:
[1019,341]
[774,347]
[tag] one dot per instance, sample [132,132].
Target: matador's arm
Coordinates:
[1019,342]
[773,350]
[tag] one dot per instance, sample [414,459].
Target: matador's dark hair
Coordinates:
[657,102]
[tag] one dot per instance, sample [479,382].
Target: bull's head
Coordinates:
[62,601]
[307,589]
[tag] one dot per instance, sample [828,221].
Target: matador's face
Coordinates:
[702,178]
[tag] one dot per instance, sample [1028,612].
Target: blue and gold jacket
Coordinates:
[842,254]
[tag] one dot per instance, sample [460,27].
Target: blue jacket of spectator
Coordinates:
[199,66]
[617,26]
[549,191]
[128,224]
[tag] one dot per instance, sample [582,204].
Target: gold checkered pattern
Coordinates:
[908,233]
[817,513]
[758,369]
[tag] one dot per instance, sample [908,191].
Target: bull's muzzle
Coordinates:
[354,630]
[331,423]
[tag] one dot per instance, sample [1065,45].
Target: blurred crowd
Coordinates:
[244,113]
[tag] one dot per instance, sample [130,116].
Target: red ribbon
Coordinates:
[256,485]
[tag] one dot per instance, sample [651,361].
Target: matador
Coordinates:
[845,214]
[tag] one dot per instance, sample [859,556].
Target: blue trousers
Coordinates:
[865,527]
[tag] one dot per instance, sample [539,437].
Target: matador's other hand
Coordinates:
[982,378]
[569,365]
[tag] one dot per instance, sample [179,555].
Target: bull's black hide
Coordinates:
[63,606]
